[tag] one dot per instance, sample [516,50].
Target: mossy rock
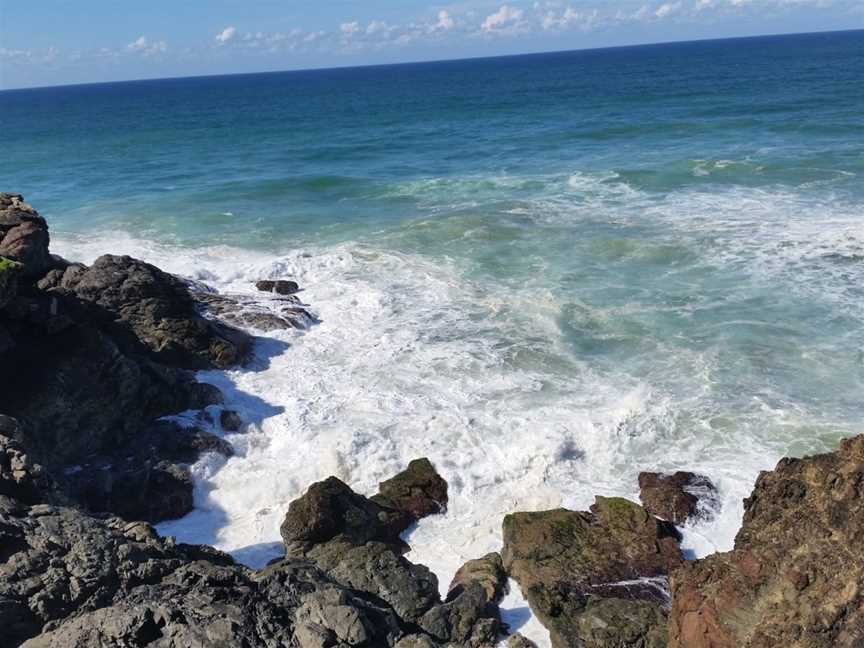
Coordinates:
[8,264]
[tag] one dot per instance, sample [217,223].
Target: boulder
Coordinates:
[24,236]
[516,640]
[418,490]
[470,615]
[796,575]
[330,509]
[678,497]
[152,311]
[278,286]
[20,477]
[594,578]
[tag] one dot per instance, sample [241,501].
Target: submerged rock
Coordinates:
[677,497]
[242,310]
[230,421]
[796,575]
[278,286]
[594,579]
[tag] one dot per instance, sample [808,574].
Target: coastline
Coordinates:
[346,547]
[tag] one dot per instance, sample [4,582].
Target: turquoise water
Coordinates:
[545,272]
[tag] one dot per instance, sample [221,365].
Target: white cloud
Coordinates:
[667,9]
[445,22]
[505,20]
[226,34]
[349,28]
[142,45]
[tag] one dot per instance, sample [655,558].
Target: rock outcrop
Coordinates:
[594,578]
[23,236]
[92,356]
[796,575]
[678,497]
[419,490]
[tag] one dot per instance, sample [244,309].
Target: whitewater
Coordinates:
[415,356]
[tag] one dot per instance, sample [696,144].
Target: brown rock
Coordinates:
[418,490]
[594,579]
[278,286]
[796,575]
[677,497]
[23,236]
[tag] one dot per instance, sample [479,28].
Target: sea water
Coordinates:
[545,273]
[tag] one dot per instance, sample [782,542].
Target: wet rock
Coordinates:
[419,490]
[24,236]
[151,310]
[242,310]
[330,509]
[594,578]
[230,421]
[677,497]
[796,575]
[278,286]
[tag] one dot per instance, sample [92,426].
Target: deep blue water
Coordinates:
[545,272]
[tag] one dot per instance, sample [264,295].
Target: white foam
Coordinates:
[412,358]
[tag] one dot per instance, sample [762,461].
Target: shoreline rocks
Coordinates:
[678,497]
[594,578]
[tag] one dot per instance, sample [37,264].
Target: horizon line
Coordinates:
[430,61]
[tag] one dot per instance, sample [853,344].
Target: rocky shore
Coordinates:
[94,357]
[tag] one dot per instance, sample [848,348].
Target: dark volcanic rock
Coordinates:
[796,575]
[278,286]
[67,579]
[230,421]
[419,490]
[151,309]
[20,477]
[677,497]
[23,236]
[470,615]
[242,310]
[594,579]
[330,509]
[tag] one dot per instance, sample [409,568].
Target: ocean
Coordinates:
[546,273]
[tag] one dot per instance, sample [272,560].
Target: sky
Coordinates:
[56,42]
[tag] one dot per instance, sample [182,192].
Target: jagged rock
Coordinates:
[488,571]
[796,575]
[23,236]
[330,509]
[677,497]
[594,579]
[77,394]
[68,579]
[356,541]
[278,286]
[419,490]
[470,615]
[9,272]
[149,309]
[242,310]
[416,641]
[230,421]
[377,569]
